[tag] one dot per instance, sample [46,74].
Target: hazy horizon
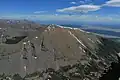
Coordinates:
[103,12]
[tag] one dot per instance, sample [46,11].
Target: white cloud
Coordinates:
[38,12]
[81,8]
[72,2]
[113,3]
[81,2]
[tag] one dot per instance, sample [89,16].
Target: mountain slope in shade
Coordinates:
[57,52]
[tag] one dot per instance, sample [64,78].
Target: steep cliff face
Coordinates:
[59,53]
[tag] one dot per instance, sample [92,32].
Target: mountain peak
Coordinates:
[69,52]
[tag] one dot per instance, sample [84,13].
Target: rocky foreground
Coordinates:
[31,51]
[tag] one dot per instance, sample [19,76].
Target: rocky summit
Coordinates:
[30,51]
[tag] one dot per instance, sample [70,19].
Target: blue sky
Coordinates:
[87,11]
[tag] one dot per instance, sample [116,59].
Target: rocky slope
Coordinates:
[55,52]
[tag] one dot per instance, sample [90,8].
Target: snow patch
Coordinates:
[24,43]
[71,28]
[119,54]
[35,57]
[53,26]
[60,26]
[81,30]
[76,28]
[68,27]
[64,27]
[87,32]
[36,37]
[91,40]
[49,76]
[45,30]
[84,51]
[25,68]
[49,28]
[28,41]
[76,38]
[99,42]
[81,49]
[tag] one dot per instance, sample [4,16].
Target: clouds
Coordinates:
[113,3]
[81,8]
[76,3]
[73,13]
[73,3]
[38,12]
[81,2]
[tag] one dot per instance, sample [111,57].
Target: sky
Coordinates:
[63,11]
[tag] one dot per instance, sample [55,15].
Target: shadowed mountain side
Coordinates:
[112,72]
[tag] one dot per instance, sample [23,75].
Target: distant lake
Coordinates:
[105,32]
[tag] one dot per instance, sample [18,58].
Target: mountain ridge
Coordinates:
[71,53]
